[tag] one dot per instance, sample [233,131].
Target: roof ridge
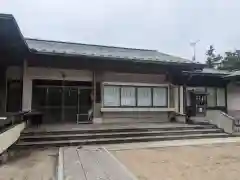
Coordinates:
[3,15]
[75,43]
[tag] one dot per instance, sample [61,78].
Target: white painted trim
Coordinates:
[137,109]
[135,84]
[181,100]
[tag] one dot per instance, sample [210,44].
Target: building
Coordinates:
[67,81]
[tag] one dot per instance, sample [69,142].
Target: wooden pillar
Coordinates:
[94,95]
[27,89]
[97,117]
[181,99]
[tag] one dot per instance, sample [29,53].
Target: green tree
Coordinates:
[231,61]
[213,60]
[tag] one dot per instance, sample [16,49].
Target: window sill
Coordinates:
[135,109]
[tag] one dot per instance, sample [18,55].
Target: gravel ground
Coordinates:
[30,165]
[210,162]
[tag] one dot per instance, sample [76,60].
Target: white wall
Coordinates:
[132,77]
[233,96]
[57,74]
[31,73]
[126,117]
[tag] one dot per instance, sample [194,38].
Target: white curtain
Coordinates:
[128,96]
[221,97]
[159,96]
[144,96]
[111,96]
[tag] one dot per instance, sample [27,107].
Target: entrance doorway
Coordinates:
[68,102]
[198,103]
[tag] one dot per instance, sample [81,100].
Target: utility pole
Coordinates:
[194,44]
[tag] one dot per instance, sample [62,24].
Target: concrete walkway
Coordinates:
[30,165]
[94,162]
[191,142]
[90,163]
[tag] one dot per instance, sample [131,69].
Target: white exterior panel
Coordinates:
[57,74]
[233,97]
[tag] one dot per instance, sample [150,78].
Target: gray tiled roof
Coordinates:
[77,49]
[234,74]
[209,72]
[215,71]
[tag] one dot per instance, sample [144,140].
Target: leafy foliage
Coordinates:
[231,61]
[213,60]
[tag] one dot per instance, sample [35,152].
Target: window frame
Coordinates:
[135,91]
[103,94]
[136,96]
[151,91]
[167,90]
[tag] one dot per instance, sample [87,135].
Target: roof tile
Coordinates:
[102,51]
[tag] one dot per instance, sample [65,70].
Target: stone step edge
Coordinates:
[142,129]
[121,139]
[117,133]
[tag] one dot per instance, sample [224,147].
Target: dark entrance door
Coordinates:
[70,104]
[198,103]
[62,102]
[84,105]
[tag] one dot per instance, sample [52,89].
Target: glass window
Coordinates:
[221,97]
[39,97]
[54,96]
[128,96]
[159,96]
[135,96]
[211,97]
[111,96]
[70,97]
[144,96]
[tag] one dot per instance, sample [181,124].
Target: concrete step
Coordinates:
[118,140]
[53,137]
[115,130]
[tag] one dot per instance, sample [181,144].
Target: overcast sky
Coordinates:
[166,25]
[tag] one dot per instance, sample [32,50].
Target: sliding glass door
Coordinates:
[62,103]
[70,104]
